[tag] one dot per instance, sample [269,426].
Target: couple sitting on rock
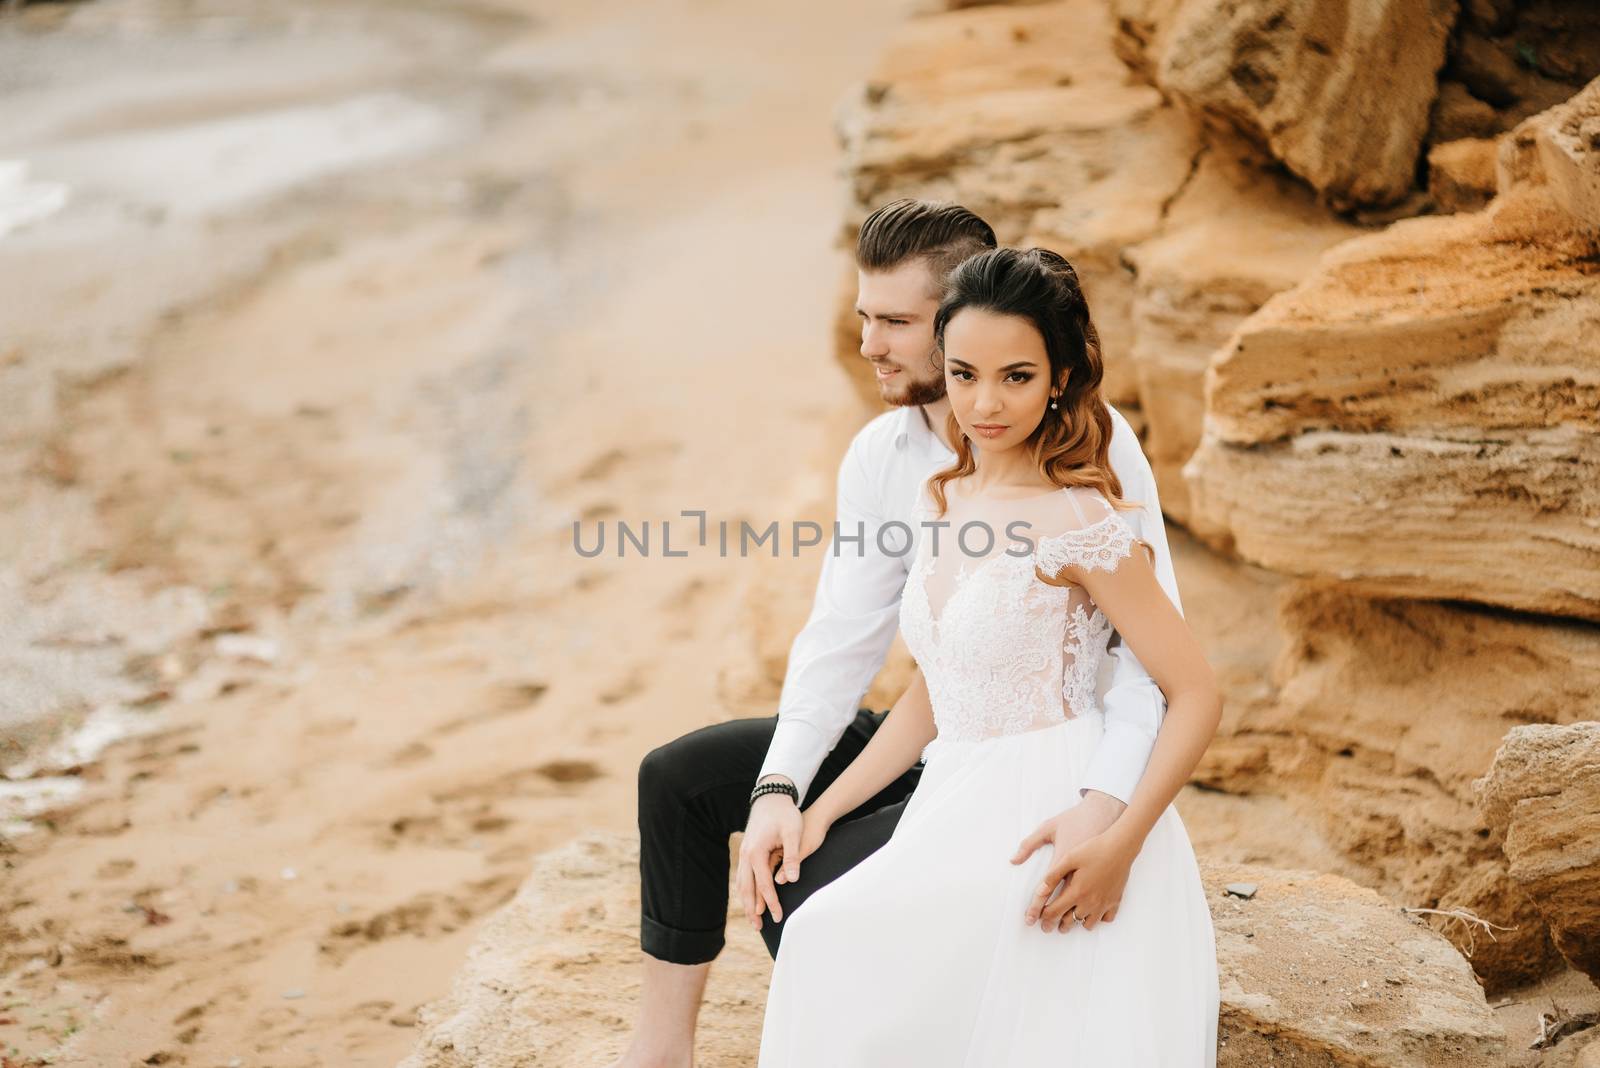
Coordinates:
[1010,530]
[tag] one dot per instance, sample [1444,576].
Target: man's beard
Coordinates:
[914,391]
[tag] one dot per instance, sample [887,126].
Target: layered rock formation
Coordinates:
[1314,970]
[1541,799]
[1384,714]
[1235,236]
[1419,420]
[1440,364]
[1339,91]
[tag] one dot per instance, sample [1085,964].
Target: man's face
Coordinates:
[896,309]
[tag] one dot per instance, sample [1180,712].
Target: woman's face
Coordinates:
[997,375]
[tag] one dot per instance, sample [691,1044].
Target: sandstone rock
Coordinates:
[1457,114]
[1541,798]
[1461,174]
[1488,72]
[1025,116]
[1384,713]
[1339,91]
[1586,1052]
[1555,149]
[1234,237]
[1518,949]
[553,976]
[1142,29]
[1317,970]
[930,7]
[1490,16]
[1568,155]
[1419,418]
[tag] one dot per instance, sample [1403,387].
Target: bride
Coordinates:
[931,952]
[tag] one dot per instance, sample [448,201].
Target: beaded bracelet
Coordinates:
[775,788]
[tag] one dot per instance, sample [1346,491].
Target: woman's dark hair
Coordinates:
[1072,444]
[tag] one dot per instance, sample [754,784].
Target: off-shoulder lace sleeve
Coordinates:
[1101,544]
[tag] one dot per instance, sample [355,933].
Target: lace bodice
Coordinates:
[1002,650]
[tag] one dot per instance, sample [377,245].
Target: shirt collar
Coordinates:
[906,420]
[911,427]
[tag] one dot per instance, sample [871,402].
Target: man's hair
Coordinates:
[941,234]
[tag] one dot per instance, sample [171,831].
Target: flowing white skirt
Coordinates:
[919,955]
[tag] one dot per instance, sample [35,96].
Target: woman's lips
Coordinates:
[989,430]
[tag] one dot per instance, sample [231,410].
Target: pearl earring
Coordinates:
[1052,404]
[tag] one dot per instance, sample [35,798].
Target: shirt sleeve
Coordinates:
[854,617]
[1134,705]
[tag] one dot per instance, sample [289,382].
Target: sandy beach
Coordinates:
[324,323]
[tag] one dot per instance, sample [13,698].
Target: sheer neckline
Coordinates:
[964,576]
[1007,500]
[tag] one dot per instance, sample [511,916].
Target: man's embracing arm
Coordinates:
[854,617]
[1134,704]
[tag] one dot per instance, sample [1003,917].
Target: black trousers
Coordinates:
[694,794]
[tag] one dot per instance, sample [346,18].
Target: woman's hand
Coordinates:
[1096,871]
[812,832]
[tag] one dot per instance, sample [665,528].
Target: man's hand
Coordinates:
[771,835]
[1089,865]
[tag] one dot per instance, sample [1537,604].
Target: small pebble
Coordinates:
[288,873]
[294,995]
[230,887]
[1244,890]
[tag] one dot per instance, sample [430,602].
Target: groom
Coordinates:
[696,791]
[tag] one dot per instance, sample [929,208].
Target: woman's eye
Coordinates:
[963,375]
[1020,376]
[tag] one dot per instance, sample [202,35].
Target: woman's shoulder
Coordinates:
[1083,530]
[1076,508]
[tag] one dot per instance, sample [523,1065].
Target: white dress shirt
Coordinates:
[855,613]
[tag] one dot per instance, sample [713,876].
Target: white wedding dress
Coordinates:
[919,956]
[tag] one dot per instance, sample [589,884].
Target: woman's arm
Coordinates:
[1138,607]
[1133,703]
[895,747]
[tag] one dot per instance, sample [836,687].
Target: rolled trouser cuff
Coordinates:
[678,946]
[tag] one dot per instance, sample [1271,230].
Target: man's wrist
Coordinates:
[792,793]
